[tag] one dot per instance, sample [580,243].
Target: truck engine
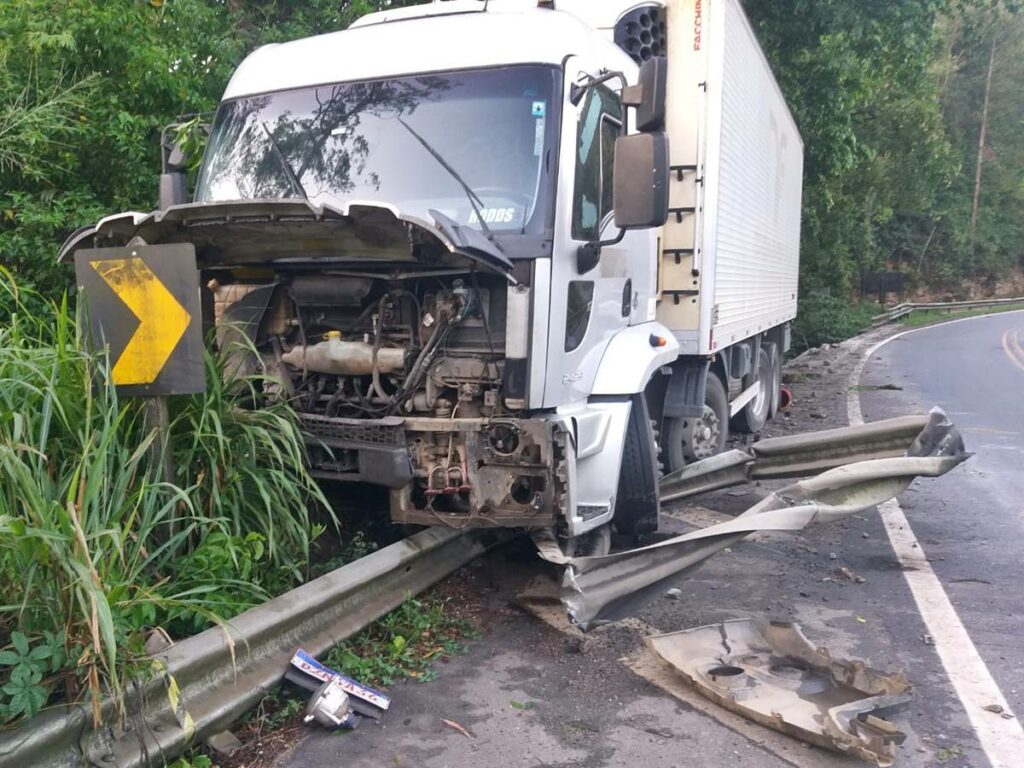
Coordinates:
[400,381]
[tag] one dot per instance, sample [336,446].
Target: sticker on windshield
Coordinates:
[538,137]
[539,108]
[494,216]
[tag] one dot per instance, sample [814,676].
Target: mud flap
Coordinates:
[600,589]
[636,501]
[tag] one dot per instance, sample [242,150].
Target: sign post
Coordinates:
[143,303]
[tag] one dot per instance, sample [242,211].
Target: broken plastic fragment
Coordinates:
[770,673]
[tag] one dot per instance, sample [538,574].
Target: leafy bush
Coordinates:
[95,547]
[827,320]
[402,644]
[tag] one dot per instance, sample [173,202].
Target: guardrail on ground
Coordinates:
[206,682]
[908,308]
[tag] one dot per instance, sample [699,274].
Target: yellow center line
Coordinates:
[1013,348]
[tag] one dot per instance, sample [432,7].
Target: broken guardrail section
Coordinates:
[886,456]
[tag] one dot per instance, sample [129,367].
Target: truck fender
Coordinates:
[632,358]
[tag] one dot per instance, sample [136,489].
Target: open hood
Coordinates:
[296,232]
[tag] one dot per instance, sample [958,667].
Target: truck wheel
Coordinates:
[636,502]
[775,380]
[755,413]
[688,440]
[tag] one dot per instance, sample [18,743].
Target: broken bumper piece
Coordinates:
[771,674]
[598,589]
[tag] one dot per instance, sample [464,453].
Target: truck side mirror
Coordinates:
[641,180]
[173,189]
[180,148]
[648,95]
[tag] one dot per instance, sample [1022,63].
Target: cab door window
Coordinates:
[600,124]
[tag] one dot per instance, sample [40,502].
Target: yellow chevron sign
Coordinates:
[144,303]
[162,320]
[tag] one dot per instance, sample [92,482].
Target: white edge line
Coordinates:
[1001,739]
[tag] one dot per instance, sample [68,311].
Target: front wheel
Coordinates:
[689,439]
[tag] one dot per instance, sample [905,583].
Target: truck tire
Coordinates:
[755,413]
[637,501]
[775,379]
[688,440]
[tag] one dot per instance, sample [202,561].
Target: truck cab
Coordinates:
[493,253]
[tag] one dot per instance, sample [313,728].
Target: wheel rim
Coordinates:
[760,401]
[705,434]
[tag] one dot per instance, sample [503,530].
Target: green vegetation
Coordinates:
[891,100]
[932,316]
[828,319]
[402,644]
[95,547]
[910,114]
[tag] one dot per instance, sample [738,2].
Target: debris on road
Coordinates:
[456,727]
[769,672]
[843,572]
[308,673]
[331,706]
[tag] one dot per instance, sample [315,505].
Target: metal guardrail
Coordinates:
[908,308]
[204,683]
[604,588]
[795,456]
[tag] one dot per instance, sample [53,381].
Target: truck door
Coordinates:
[587,308]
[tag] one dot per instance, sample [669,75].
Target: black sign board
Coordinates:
[143,302]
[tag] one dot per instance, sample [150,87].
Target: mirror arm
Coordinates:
[588,254]
[577,91]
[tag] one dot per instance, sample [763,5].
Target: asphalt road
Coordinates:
[970,523]
[534,693]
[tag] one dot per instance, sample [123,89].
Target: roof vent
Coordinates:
[642,33]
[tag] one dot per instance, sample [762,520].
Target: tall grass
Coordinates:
[89,560]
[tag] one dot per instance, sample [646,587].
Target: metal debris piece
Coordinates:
[596,589]
[364,700]
[331,706]
[770,673]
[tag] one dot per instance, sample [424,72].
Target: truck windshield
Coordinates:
[389,141]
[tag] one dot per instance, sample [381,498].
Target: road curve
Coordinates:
[969,524]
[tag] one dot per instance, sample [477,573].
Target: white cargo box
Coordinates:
[731,248]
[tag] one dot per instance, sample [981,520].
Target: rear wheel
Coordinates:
[693,439]
[755,413]
[775,385]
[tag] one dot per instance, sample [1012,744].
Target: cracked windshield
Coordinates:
[470,145]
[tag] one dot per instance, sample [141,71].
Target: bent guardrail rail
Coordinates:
[908,308]
[597,589]
[204,683]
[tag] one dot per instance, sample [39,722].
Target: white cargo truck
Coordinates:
[509,260]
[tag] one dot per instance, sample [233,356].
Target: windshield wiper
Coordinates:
[474,199]
[292,178]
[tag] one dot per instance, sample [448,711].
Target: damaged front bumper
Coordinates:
[460,472]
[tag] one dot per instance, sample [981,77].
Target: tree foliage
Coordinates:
[85,89]
[888,97]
